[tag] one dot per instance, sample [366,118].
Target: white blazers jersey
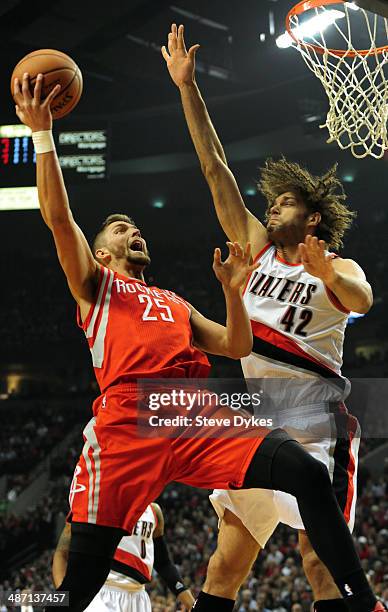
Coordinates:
[298,324]
[134,556]
[298,332]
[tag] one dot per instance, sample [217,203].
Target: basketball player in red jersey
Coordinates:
[135,557]
[298,303]
[134,332]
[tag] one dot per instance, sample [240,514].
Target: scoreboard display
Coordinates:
[17,156]
[83,155]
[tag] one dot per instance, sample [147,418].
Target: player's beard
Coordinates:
[287,233]
[138,258]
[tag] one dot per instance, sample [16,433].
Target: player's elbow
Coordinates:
[365,306]
[366,302]
[238,352]
[58,222]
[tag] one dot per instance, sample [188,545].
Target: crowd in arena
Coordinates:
[34,430]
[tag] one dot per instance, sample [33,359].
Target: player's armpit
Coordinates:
[238,223]
[76,259]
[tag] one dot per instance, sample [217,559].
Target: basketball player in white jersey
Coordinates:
[131,569]
[298,302]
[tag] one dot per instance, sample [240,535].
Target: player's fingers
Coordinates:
[16,90]
[26,87]
[217,257]
[254,266]
[303,252]
[192,51]
[38,88]
[238,249]
[54,92]
[231,248]
[181,39]
[322,245]
[311,246]
[248,251]
[165,53]
[170,45]
[174,37]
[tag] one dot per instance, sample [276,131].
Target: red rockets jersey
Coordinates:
[136,551]
[135,331]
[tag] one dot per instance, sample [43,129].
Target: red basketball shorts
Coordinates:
[119,473]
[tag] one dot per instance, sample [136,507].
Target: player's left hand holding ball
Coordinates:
[33,112]
[233,272]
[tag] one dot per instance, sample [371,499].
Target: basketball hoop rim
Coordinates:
[306,5]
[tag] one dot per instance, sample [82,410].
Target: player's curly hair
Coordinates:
[324,194]
[98,240]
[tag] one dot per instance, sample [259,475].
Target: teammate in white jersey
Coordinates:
[131,569]
[298,302]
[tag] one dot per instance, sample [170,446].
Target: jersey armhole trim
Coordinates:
[335,301]
[262,251]
[84,325]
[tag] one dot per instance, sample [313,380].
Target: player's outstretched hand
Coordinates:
[180,62]
[315,260]
[233,272]
[30,109]
[186,601]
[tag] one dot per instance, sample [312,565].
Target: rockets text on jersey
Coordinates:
[135,331]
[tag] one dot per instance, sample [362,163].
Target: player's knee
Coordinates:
[314,478]
[225,575]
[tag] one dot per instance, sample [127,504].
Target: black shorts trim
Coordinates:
[261,463]
[347,429]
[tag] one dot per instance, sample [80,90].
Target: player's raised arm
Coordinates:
[73,250]
[235,339]
[236,220]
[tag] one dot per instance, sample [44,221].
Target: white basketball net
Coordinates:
[357,87]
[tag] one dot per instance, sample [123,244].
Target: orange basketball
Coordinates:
[57,67]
